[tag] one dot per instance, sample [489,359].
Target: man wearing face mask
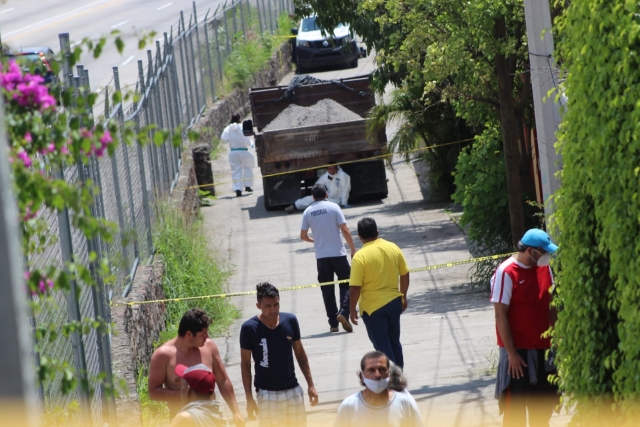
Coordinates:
[380,403]
[338,185]
[521,295]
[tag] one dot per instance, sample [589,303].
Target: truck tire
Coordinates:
[354,63]
[300,69]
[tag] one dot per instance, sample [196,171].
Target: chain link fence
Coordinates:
[184,73]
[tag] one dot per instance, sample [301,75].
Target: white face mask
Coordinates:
[543,261]
[376,386]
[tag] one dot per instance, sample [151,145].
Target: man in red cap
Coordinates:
[197,393]
[521,295]
[191,347]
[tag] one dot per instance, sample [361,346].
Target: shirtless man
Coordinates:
[191,347]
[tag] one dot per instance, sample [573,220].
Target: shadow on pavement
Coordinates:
[447,301]
[473,386]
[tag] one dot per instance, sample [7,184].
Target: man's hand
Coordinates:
[354,317]
[184,391]
[353,253]
[252,408]
[238,420]
[313,396]
[404,303]
[515,365]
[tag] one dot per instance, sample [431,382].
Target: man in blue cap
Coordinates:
[521,295]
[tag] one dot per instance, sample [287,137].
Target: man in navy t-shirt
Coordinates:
[272,338]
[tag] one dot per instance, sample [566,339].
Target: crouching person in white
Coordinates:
[338,184]
[384,400]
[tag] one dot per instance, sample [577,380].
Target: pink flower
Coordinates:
[106,138]
[51,147]
[25,158]
[64,150]
[27,275]
[27,137]
[28,214]
[27,90]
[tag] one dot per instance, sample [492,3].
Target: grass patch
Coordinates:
[191,270]
[250,55]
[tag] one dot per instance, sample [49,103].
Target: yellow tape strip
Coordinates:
[313,285]
[382,156]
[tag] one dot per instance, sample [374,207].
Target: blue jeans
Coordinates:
[383,328]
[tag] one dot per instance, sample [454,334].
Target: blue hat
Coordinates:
[538,239]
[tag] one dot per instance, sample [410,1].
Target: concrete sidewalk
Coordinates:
[448,331]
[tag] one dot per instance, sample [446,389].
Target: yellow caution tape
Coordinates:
[313,285]
[382,156]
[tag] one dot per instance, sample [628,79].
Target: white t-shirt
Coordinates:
[401,411]
[325,218]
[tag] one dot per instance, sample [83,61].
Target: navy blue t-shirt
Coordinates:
[272,351]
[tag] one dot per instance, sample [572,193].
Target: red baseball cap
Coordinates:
[199,377]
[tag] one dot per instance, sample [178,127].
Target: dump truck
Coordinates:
[292,158]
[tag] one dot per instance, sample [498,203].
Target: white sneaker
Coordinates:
[290,208]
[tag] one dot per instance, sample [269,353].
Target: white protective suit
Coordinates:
[338,189]
[240,159]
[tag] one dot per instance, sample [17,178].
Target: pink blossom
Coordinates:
[27,275]
[64,149]
[25,158]
[28,214]
[106,138]
[27,137]
[51,147]
[27,90]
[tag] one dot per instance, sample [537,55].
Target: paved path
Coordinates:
[447,332]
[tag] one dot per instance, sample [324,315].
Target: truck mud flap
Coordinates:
[281,191]
[368,179]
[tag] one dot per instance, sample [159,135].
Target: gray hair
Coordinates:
[397,380]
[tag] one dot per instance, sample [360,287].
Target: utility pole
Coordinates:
[17,389]
[544,80]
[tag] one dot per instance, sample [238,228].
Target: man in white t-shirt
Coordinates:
[378,404]
[327,222]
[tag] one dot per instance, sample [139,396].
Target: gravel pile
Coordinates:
[323,112]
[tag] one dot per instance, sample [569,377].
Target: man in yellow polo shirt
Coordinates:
[375,271]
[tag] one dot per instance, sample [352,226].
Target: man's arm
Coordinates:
[245,367]
[504,329]
[347,236]
[404,288]
[354,295]
[158,376]
[303,362]
[224,383]
[305,236]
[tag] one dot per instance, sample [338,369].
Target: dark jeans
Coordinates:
[383,328]
[535,400]
[327,267]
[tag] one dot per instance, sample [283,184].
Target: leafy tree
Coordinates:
[471,54]
[598,210]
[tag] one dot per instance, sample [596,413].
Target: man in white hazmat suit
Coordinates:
[338,185]
[240,159]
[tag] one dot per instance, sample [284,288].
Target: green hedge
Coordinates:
[598,206]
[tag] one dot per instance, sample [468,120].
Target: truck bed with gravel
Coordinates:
[301,130]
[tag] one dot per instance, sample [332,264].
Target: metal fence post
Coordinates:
[270,16]
[127,168]
[98,298]
[195,73]
[249,19]
[215,30]
[186,74]
[260,19]
[244,29]
[19,377]
[163,81]
[209,60]
[264,14]
[73,310]
[234,14]
[157,117]
[226,28]
[65,49]
[200,56]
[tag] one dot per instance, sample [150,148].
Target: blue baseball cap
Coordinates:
[538,239]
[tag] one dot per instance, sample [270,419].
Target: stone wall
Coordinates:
[136,329]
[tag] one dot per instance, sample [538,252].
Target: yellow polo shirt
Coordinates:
[376,269]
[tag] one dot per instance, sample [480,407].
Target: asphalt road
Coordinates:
[29,23]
